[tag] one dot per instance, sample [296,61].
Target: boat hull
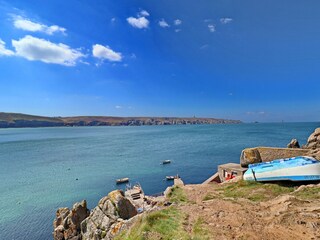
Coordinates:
[303,169]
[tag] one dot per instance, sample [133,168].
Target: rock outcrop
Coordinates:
[314,140]
[114,213]
[109,217]
[67,223]
[293,144]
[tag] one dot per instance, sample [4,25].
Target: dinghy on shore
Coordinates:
[289,169]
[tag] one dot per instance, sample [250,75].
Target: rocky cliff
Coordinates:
[14,120]
[113,214]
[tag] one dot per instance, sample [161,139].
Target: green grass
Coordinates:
[308,193]
[199,231]
[254,191]
[177,195]
[165,224]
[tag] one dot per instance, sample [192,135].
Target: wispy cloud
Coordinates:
[163,23]
[28,25]
[177,30]
[177,22]
[205,46]
[226,20]
[140,21]
[143,13]
[118,107]
[37,49]
[211,27]
[3,50]
[256,113]
[105,52]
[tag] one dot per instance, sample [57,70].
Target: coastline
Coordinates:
[121,215]
[17,120]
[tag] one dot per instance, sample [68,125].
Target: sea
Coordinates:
[42,169]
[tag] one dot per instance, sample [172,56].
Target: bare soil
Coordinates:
[294,215]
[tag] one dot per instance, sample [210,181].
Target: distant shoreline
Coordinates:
[18,120]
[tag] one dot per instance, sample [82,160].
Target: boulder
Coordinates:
[67,223]
[249,156]
[314,140]
[124,207]
[294,144]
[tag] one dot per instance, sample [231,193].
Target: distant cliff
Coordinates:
[16,120]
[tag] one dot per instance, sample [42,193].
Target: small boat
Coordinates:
[122,180]
[168,178]
[166,162]
[289,169]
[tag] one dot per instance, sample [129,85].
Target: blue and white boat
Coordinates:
[289,169]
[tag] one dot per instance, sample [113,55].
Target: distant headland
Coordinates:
[18,120]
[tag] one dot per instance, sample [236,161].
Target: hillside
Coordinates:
[243,210]
[12,120]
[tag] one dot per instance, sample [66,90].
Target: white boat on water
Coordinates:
[289,169]
[122,180]
[166,162]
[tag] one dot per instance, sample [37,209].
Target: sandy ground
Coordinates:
[284,217]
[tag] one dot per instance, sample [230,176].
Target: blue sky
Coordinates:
[248,60]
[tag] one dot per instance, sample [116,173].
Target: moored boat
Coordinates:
[122,180]
[166,162]
[169,177]
[172,177]
[289,169]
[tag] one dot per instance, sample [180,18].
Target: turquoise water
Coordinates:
[39,166]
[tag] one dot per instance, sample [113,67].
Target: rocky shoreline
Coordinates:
[17,120]
[282,210]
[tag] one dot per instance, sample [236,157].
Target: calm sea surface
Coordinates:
[39,166]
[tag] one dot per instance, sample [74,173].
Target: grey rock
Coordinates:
[294,144]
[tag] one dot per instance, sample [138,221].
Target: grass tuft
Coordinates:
[177,195]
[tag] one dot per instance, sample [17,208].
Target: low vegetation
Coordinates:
[177,195]
[254,191]
[308,193]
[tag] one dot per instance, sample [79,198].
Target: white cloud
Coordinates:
[105,52]
[143,13]
[113,20]
[212,28]
[177,30]
[140,22]
[34,49]
[27,25]
[163,23]
[118,107]
[3,50]
[226,20]
[177,22]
